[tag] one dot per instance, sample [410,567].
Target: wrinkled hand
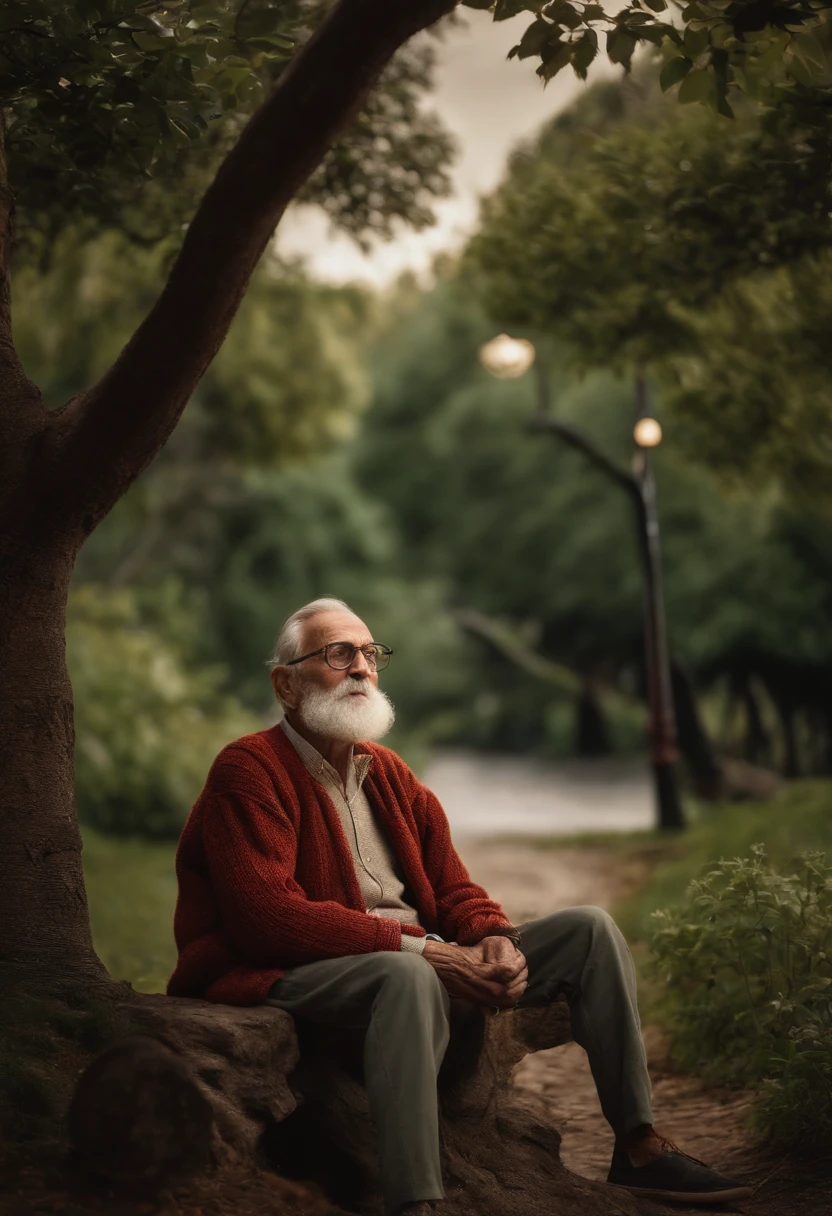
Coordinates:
[493,972]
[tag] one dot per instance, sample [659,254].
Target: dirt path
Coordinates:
[531,882]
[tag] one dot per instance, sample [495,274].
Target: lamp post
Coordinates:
[661,727]
[507,358]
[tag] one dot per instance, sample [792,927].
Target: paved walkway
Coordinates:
[486,795]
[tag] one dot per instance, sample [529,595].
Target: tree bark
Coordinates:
[694,741]
[62,471]
[592,736]
[289,1097]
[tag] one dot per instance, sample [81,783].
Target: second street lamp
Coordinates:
[661,727]
[508,358]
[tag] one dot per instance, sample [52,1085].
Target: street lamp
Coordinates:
[647,433]
[661,727]
[508,358]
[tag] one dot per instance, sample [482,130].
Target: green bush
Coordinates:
[746,965]
[147,728]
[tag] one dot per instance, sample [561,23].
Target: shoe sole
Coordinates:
[729,1195]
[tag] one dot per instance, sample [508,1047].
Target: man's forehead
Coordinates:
[335,626]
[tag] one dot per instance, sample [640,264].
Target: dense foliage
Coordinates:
[147,727]
[521,528]
[746,964]
[649,236]
[717,48]
[119,111]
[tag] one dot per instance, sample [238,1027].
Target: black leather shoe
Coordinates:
[676,1177]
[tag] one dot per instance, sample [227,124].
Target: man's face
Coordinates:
[291,683]
[345,705]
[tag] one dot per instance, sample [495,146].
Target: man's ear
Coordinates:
[282,683]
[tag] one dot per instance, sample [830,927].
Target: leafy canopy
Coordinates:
[769,49]
[118,112]
[676,242]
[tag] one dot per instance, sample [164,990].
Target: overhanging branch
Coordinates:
[102,439]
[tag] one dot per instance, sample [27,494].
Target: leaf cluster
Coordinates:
[394,160]
[105,95]
[715,48]
[747,965]
[147,726]
[688,246]
[652,219]
[118,113]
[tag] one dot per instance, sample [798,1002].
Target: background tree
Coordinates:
[527,534]
[674,242]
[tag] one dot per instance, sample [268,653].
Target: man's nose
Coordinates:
[359,667]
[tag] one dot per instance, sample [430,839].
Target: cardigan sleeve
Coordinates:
[250,848]
[465,913]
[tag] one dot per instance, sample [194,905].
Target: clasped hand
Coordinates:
[494,972]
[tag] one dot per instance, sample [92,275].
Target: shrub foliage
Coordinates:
[747,964]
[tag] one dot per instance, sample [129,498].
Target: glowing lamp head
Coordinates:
[647,433]
[506,358]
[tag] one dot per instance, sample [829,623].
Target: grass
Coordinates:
[131,886]
[798,819]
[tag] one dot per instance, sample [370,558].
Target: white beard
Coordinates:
[337,715]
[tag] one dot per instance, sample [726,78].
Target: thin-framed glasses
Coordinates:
[341,655]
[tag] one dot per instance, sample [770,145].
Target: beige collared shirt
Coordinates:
[376,866]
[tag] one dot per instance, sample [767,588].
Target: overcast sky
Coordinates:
[490,104]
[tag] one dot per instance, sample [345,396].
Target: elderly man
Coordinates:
[317,874]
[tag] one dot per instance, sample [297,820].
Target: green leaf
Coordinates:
[583,53]
[696,40]
[674,71]
[150,42]
[620,46]
[555,60]
[533,41]
[561,12]
[657,6]
[698,85]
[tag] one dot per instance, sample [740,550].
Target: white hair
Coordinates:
[289,641]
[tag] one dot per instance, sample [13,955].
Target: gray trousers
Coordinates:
[404,1007]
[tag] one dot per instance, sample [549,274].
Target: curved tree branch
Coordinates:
[506,640]
[545,424]
[102,439]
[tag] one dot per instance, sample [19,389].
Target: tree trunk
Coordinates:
[694,741]
[45,939]
[592,736]
[757,744]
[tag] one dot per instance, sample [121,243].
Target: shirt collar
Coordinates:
[318,766]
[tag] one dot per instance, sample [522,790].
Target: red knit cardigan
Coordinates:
[267,880]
